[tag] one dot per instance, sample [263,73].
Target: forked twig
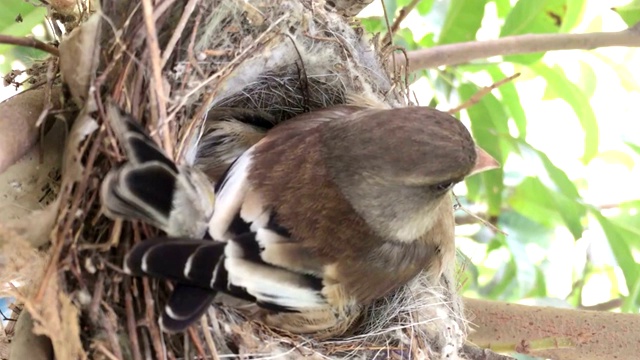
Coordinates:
[475,98]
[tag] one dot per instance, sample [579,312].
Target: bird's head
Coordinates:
[396,165]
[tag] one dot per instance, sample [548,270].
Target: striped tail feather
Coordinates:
[185,306]
[204,267]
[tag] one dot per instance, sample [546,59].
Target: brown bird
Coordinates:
[330,211]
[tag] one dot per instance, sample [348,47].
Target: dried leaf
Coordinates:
[18,117]
[79,57]
[27,345]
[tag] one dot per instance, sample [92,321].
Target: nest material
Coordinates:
[284,58]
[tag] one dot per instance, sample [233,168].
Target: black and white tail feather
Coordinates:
[239,262]
[150,187]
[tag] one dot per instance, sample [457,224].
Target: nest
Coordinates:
[284,58]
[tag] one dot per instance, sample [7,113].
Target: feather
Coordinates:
[186,305]
[152,188]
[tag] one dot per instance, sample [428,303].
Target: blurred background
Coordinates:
[561,217]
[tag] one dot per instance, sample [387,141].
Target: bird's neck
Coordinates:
[399,213]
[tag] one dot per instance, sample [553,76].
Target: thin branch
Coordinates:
[461,53]
[386,20]
[481,93]
[402,14]
[177,32]
[29,42]
[156,67]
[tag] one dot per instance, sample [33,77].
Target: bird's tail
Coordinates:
[202,268]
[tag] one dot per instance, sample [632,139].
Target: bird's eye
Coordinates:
[443,186]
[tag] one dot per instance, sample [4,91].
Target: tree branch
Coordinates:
[553,332]
[460,53]
[29,42]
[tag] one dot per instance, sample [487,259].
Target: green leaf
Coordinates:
[502,280]
[628,219]
[392,7]
[587,80]
[427,41]
[550,93]
[525,16]
[549,174]
[404,38]
[503,7]
[617,157]
[618,238]
[525,269]
[374,24]
[633,147]
[533,200]
[9,11]
[511,100]
[525,229]
[632,301]
[533,17]
[630,13]
[424,6]
[574,12]
[570,93]
[540,288]
[463,20]
[537,202]
[624,75]
[488,123]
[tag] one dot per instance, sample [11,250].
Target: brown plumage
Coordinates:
[329,211]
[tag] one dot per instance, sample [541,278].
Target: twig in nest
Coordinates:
[195,339]
[386,20]
[481,93]
[177,32]
[302,75]
[204,323]
[157,82]
[192,42]
[29,42]
[5,318]
[131,321]
[396,72]
[108,354]
[458,206]
[110,320]
[68,217]
[402,14]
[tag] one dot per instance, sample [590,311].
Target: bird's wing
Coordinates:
[251,258]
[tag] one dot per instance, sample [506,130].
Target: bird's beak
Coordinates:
[484,162]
